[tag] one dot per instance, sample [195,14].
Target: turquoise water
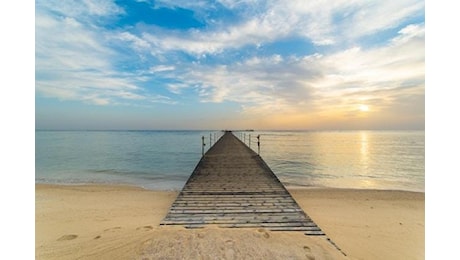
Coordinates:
[163,160]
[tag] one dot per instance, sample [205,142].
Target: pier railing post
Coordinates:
[258,144]
[202,146]
[249,141]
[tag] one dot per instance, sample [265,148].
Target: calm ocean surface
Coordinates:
[163,160]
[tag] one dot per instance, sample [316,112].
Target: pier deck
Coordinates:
[232,187]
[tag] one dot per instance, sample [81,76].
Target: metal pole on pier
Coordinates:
[249,140]
[202,146]
[258,144]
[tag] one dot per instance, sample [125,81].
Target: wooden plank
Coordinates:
[274,226]
[241,223]
[239,215]
[234,196]
[231,202]
[218,210]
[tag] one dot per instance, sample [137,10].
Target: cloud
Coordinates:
[379,76]
[268,82]
[161,68]
[136,42]
[321,23]
[84,10]
[209,42]
[332,22]
[72,60]
[401,59]
[379,16]
[176,88]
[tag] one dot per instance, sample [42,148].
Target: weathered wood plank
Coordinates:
[257,222]
[218,210]
[238,216]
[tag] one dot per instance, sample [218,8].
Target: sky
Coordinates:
[271,65]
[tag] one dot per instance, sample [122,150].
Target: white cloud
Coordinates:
[161,99]
[328,22]
[138,43]
[161,68]
[101,7]
[380,15]
[268,82]
[409,32]
[72,61]
[321,22]
[401,59]
[176,88]
[382,76]
[339,20]
[81,9]
[201,42]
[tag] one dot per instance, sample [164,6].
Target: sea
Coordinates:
[163,160]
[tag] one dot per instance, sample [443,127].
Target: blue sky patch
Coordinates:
[143,12]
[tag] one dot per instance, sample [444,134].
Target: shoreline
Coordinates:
[288,187]
[104,221]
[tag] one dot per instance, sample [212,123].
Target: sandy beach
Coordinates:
[122,222]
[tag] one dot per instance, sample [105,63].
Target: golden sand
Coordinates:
[120,222]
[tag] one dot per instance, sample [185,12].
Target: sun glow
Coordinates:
[363,108]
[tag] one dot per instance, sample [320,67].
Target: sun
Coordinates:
[363,108]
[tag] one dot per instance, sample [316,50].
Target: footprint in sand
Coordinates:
[264,232]
[110,229]
[308,253]
[67,237]
[145,228]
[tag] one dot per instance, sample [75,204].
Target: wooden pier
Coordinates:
[232,187]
